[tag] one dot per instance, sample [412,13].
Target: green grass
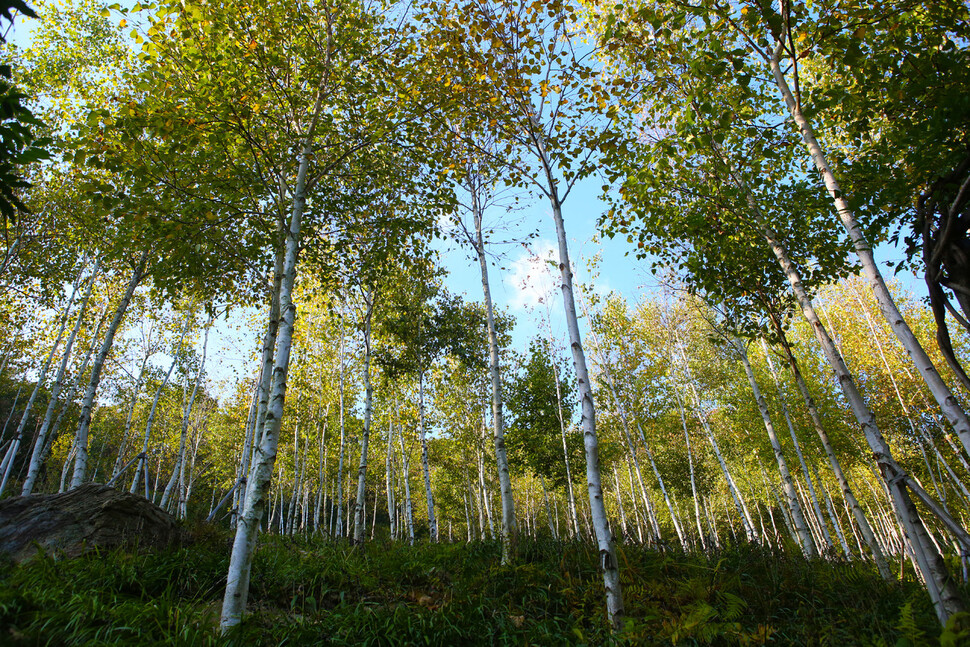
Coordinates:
[314,592]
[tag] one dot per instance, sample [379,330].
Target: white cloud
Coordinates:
[531,279]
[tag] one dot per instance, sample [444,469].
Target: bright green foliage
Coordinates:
[308,591]
[534,436]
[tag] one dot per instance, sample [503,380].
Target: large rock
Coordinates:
[91,516]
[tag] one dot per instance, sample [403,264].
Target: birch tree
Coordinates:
[551,112]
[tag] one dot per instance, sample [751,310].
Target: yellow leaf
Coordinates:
[122,23]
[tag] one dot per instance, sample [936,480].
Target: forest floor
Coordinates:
[307,591]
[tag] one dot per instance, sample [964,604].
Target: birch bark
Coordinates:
[946,599]
[848,494]
[604,536]
[8,459]
[422,436]
[498,420]
[240,561]
[37,456]
[949,405]
[143,456]
[798,449]
[573,517]
[746,522]
[178,472]
[87,407]
[368,412]
[794,506]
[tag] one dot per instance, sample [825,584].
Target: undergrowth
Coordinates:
[316,592]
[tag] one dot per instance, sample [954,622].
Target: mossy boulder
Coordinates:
[93,516]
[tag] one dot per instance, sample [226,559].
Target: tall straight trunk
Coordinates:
[242,471]
[642,520]
[604,537]
[848,494]
[785,515]
[87,408]
[957,481]
[485,498]
[368,413]
[619,504]
[322,470]
[736,496]
[746,522]
[949,405]
[66,468]
[75,382]
[946,598]
[545,498]
[389,477]
[798,449]
[8,460]
[299,463]
[37,456]
[10,414]
[918,432]
[268,355]
[813,521]
[185,492]
[143,456]
[711,525]
[498,420]
[338,529]
[624,424]
[405,476]
[126,432]
[690,464]
[240,561]
[178,472]
[833,515]
[668,500]
[422,436]
[794,506]
[573,517]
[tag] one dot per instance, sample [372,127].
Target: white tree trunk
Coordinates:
[945,597]
[827,538]
[8,460]
[498,419]
[690,464]
[322,470]
[178,472]
[143,456]
[573,517]
[38,455]
[365,436]
[604,536]
[240,562]
[746,522]
[338,500]
[406,477]
[126,432]
[848,494]
[794,506]
[949,405]
[422,435]
[87,408]
[389,478]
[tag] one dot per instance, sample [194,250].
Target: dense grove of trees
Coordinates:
[286,165]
